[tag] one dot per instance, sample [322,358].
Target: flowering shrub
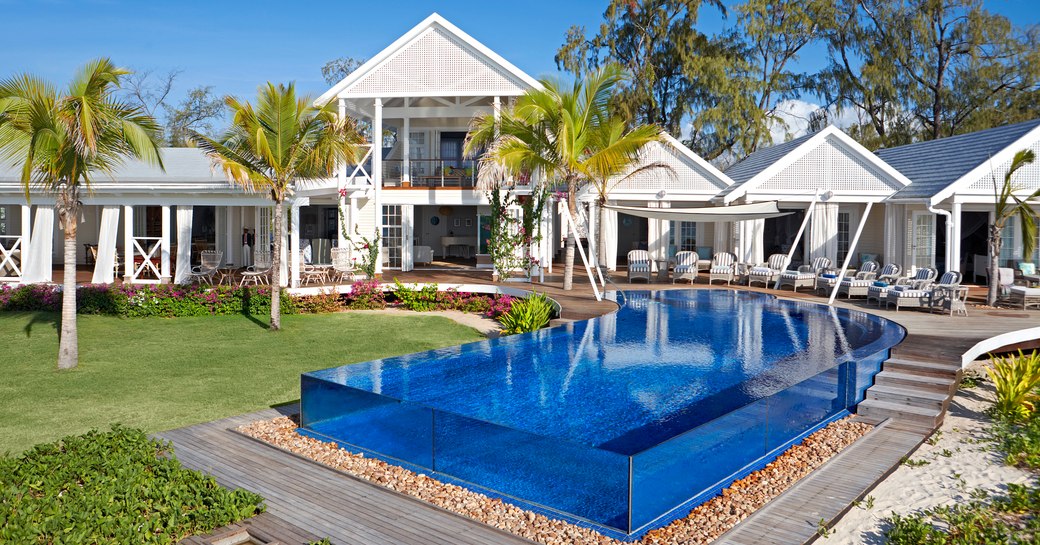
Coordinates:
[366,295]
[128,300]
[430,298]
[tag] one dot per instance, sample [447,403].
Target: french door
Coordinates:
[922,239]
[392,235]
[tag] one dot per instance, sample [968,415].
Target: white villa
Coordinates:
[920,205]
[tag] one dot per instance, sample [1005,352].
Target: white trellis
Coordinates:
[148,250]
[11,258]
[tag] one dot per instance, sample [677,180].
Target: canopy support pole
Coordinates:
[581,250]
[851,252]
[798,237]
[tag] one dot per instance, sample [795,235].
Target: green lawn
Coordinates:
[158,374]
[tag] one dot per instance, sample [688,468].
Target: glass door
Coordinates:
[393,234]
[922,239]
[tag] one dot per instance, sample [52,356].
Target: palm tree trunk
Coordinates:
[568,256]
[276,268]
[68,344]
[993,275]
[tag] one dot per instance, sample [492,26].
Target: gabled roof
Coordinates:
[937,168]
[183,165]
[434,58]
[766,163]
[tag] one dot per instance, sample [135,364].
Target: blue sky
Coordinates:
[235,45]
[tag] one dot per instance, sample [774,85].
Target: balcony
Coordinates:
[431,173]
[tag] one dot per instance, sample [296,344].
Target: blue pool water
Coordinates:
[617,421]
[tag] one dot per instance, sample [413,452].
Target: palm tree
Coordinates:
[64,139]
[273,146]
[1008,204]
[568,134]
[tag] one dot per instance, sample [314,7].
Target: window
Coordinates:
[683,236]
[844,219]
[1007,246]
[3,220]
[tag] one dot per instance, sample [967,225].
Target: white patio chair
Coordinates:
[878,293]
[209,263]
[258,272]
[686,267]
[769,272]
[342,265]
[309,273]
[867,271]
[919,294]
[860,287]
[638,265]
[805,276]
[723,267]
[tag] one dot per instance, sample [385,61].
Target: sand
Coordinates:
[959,461]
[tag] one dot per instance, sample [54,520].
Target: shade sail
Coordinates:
[736,212]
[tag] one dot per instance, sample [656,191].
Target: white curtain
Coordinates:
[609,235]
[750,244]
[823,231]
[104,267]
[184,218]
[38,267]
[723,239]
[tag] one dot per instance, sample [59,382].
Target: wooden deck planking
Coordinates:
[323,501]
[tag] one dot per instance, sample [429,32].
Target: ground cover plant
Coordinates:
[157,374]
[528,314]
[111,487]
[1012,517]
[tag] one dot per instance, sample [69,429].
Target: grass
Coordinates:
[157,374]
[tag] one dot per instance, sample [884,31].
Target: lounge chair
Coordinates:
[639,265]
[768,272]
[210,262]
[723,267]
[860,287]
[686,267]
[1025,297]
[867,271]
[879,290]
[342,265]
[258,272]
[920,294]
[805,276]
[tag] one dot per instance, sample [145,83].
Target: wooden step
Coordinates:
[927,368]
[874,408]
[943,384]
[908,395]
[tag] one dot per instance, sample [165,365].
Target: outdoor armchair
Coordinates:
[686,267]
[723,267]
[769,272]
[638,265]
[209,263]
[805,276]
[258,272]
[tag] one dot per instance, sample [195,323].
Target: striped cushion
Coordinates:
[857,283]
[910,293]
[765,271]
[793,275]
[721,270]
[639,267]
[683,269]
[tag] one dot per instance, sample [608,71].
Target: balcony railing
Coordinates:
[427,173]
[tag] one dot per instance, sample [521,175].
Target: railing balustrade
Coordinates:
[11,257]
[147,260]
[431,173]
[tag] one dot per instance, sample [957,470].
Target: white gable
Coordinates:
[1027,178]
[830,165]
[689,173]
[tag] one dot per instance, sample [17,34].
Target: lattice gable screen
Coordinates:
[1027,177]
[437,63]
[830,166]
[686,175]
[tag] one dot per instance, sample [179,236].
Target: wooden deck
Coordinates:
[320,500]
[329,503]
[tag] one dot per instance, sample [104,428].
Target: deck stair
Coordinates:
[915,391]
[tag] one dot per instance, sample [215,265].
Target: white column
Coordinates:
[341,173]
[377,173]
[26,232]
[609,233]
[164,260]
[184,218]
[407,237]
[230,235]
[406,150]
[294,244]
[128,244]
[104,267]
[953,245]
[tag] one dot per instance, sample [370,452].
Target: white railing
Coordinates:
[360,175]
[146,249]
[11,258]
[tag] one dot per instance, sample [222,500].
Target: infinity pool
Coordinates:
[622,422]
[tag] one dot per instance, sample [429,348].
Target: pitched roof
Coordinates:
[762,159]
[434,58]
[935,165]
[183,165]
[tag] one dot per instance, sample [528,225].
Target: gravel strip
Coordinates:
[705,523]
